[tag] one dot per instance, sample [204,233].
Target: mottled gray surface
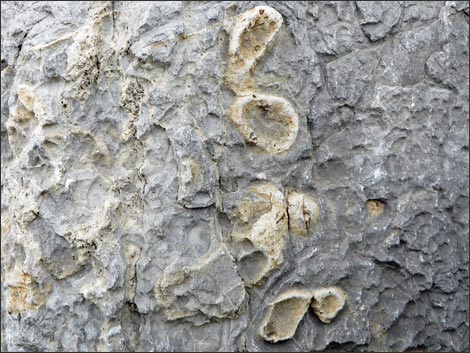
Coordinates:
[118,154]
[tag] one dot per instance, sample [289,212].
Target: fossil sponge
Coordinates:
[252,33]
[267,121]
[303,212]
[259,215]
[328,302]
[284,315]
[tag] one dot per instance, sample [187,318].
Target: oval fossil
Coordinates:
[328,302]
[252,33]
[267,121]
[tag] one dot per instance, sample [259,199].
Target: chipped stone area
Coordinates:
[210,287]
[234,176]
[378,18]
[196,173]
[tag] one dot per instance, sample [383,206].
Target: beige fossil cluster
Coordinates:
[265,215]
[289,307]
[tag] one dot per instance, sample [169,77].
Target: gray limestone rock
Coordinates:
[378,17]
[235,176]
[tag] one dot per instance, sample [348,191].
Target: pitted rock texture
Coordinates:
[161,159]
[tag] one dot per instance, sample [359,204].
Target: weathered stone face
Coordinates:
[221,176]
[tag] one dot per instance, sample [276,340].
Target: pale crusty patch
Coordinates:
[24,294]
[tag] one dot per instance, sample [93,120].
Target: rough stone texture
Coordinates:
[144,210]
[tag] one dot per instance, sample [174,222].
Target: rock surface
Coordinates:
[170,170]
